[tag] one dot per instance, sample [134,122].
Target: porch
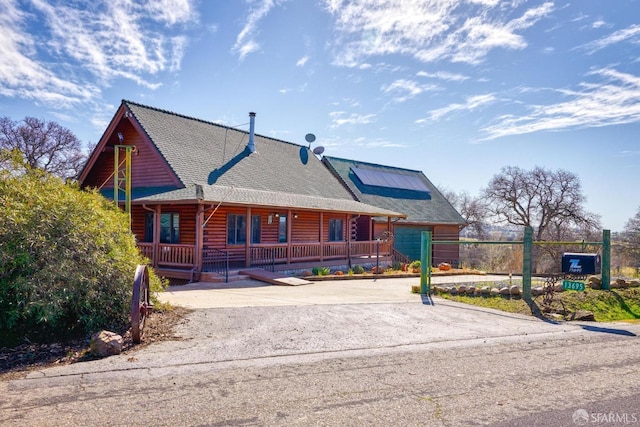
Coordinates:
[181,261]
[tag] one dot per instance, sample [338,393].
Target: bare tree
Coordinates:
[44,145]
[631,238]
[551,202]
[542,199]
[472,209]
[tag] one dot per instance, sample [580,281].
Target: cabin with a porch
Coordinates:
[204,198]
[408,191]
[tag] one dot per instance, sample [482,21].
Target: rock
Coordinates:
[537,291]
[495,292]
[594,282]
[504,291]
[307,273]
[453,291]
[485,290]
[582,315]
[615,285]
[105,343]
[634,283]
[471,290]
[462,289]
[514,290]
[622,283]
[558,287]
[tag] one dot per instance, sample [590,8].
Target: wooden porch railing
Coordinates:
[169,255]
[179,255]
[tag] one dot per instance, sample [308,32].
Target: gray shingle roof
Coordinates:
[278,173]
[416,205]
[245,196]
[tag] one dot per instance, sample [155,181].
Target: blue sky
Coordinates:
[456,89]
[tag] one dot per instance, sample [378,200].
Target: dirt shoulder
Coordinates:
[19,361]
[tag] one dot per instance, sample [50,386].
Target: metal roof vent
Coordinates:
[251,146]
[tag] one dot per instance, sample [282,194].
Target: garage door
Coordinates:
[407,240]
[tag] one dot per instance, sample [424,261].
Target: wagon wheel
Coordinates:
[140,305]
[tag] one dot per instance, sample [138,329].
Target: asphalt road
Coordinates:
[310,360]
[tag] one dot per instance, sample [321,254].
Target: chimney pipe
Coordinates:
[251,146]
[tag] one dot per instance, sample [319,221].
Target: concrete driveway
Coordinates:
[251,293]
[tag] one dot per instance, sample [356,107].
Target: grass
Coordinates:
[607,306]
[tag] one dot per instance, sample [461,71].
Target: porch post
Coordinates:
[289,234]
[199,237]
[156,234]
[348,223]
[247,240]
[321,236]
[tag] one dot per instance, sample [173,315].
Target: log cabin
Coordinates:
[408,191]
[204,198]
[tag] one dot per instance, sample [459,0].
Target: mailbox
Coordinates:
[578,263]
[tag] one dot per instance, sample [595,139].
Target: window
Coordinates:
[169,227]
[236,229]
[336,233]
[148,227]
[282,229]
[255,228]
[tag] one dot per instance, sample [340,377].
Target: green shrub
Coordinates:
[67,260]
[357,269]
[396,265]
[415,264]
[321,271]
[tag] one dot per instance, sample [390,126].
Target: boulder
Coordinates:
[514,290]
[622,283]
[495,292]
[594,282]
[485,290]
[462,289]
[453,291]
[634,283]
[504,291]
[471,290]
[105,343]
[582,315]
[537,291]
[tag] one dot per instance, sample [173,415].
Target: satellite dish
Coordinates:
[310,137]
[318,150]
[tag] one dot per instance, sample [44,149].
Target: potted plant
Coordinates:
[415,266]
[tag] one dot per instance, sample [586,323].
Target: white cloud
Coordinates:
[464,31]
[171,11]
[406,89]
[302,61]
[630,33]
[443,75]
[246,41]
[81,47]
[22,75]
[611,100]
[472,103]
[340,118]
